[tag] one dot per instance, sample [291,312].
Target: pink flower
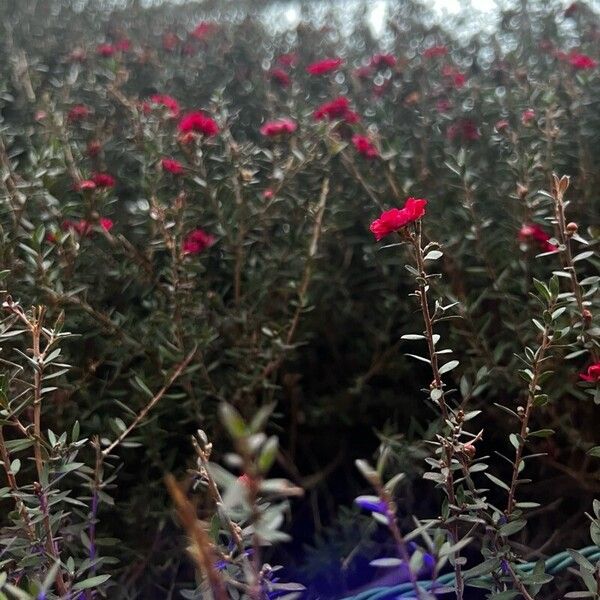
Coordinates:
[581,61]
[268,194]
[77,55]
[280,77]
[105,50]
[365,146]
[78,113]
[103,180]
[86,185]
[279,127]
[322,67]
[171,165]
[501,125]
[336,109]
[593,373]
[527,116]
[457,78]
[383,60]
[197,241]
[533,232]
[168,102]
[204,29]
[198,122]
[84,228]
[397,218]
[435,52]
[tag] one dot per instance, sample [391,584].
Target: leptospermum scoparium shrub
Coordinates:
[320,248]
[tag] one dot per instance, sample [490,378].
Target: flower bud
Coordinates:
[571,229]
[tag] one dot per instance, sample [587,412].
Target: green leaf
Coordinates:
[92,582]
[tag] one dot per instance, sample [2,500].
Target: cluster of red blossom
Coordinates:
[533,232]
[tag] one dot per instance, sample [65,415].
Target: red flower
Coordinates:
[364,72]
[198,122]
[396,218]
[204,29]
[169,41]
[93,148]
[465,129]
[322,67]
[383,60]
[280,77]
[103,180]
[336,109]
[105,50]
[581,61]
[457,78]
[168,102]
[171,166]
[365,146]
[435,51]
[268,194]
[78,112]
[197,241]
[106,223]
[279,127]
[593,373]
[527,116]
[287,60]
[123,45]
[533,232]
[83,228]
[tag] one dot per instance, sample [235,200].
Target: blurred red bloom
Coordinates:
[527,116]
[339,108]
[287,60]
[105,50]
[593,373]
[322,67]
[204,29]
[364,72]
[396,218]
[533,232]
[273,128]
[268,194]
[168,102]
[465,129]
[123,45]
[280,77]
[78,112]
[435,51]
[571,9]
[383,60]
[169,41]
[198,122]
[197,241]
[365,146]
[457,78]
[104,180]
[83,227]
[581,61]
[443,105]
[172,166]
[93,148]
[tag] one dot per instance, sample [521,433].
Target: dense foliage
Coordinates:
[211,222]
